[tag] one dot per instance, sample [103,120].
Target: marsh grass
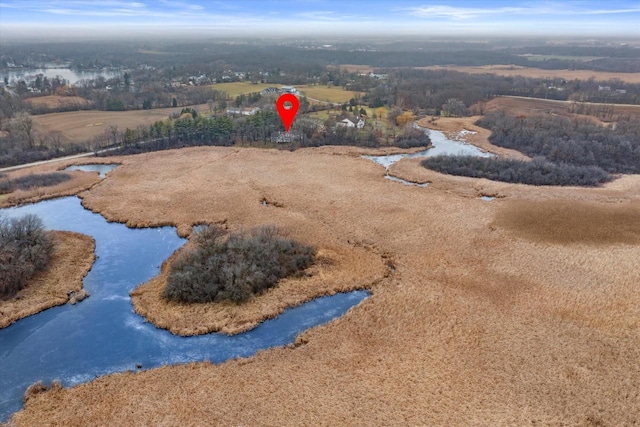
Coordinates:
[559,221]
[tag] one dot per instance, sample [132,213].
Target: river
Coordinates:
[102,334]
[72,76]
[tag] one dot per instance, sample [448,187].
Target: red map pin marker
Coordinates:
[287,114]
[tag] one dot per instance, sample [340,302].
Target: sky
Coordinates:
[53,18]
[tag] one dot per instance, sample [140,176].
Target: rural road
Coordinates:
[57,159]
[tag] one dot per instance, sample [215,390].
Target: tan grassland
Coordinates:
[488,319]
[532,106]
[72,261]
[57,101]
[79,181]
[82,126]
[516,70]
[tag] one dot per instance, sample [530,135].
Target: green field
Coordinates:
[238,88]
[322,93]
[328,94]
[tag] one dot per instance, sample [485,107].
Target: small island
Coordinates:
[229,282]
[40,269]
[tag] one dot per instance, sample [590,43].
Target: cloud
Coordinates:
[459,12]
[547,8]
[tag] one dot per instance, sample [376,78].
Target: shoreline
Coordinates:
[74,258]
[468,305]
[335,271]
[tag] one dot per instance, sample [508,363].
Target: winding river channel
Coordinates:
[102,334]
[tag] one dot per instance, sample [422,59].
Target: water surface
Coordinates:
[102,334]
[72,76]
[102,169]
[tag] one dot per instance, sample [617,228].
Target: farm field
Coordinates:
[542,317]
[56,101]
[328,94]
[521,105]
[82,126]
[321,93]
[515,70]
[234,89]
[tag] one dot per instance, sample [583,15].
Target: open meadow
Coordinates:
[515,70]
[518,311]
[82,126]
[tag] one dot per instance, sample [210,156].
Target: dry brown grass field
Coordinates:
[79,181]
[516,70]
[56,101]
[495,314]
[71,261]
[531,106]
[83,126]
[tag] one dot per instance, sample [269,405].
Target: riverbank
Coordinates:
[72,260]
[79,181]
[339,269]
[464,128]
[482,317]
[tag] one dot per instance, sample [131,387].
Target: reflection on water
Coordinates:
[102,169]
[102,334]
[68,74]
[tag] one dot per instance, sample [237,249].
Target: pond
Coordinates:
[72,76]
[102,334]
[102,169]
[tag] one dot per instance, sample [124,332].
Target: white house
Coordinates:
[351,123]
[243,111]
[289,89]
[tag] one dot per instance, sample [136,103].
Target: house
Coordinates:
[243,111]
[351,123]
[270,91]
[289,89]
[286,137]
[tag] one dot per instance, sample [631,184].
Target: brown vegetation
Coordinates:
[483,322]
[79,181]
[340,269]
[53,102]
[572,222]
[72,260]
[517,70]
[82,126]
[517,106]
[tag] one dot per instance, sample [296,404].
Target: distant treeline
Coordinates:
[565,151]
[280,55]
[431,89]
